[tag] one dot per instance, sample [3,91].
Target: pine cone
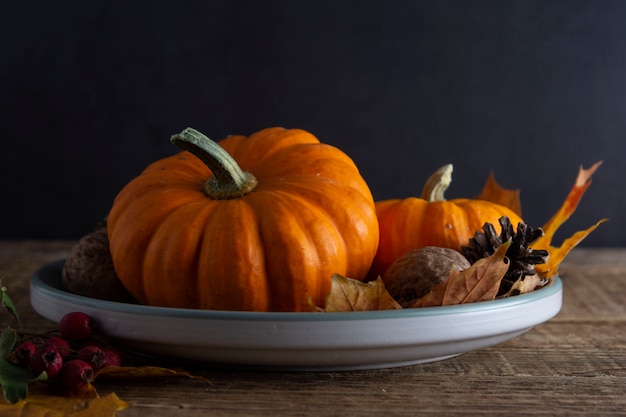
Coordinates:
[522,258]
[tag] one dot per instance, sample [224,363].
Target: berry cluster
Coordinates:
[70,359]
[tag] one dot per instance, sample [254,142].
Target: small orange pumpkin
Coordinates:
[255,223]
[411,223]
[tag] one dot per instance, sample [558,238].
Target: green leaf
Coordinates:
[13,378]
[8,339]
[8,303]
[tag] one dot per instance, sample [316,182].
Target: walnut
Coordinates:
[88,270]
[413,275]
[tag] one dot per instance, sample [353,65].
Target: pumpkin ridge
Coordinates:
[306,240]
[239,279]
[338,214]
[253,151]
[317,162]
[179,235]
[130,245]
[184,164]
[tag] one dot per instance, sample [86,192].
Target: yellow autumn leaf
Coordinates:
[583,181]
[129,372]
[86,402]
[558,254]
[27,409]
[495,193]
[43,405]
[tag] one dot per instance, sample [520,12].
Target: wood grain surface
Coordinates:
[573,365]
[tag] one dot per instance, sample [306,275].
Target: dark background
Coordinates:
[90,92]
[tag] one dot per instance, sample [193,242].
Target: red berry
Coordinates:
[77,326]
[99,357]
[75,374]
[111,358]
[46,359]
[91,354]
[24,351]
[60,344]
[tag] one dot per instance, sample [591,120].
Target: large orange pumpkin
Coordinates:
[255,223]
[412,223]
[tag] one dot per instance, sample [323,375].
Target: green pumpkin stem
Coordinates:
[437,184]
[228,180]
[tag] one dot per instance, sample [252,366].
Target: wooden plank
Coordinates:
[18,261]
[388,392]
[594,286]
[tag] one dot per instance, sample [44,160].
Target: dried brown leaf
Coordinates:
[347,294]
[522,286]
[480,282]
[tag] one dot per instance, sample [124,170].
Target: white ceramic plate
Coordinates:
[303,341]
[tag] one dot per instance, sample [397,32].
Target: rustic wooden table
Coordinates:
[573,365]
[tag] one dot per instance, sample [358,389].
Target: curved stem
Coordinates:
[229,180]
[437,184]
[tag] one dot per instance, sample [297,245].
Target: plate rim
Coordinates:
[41,283]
